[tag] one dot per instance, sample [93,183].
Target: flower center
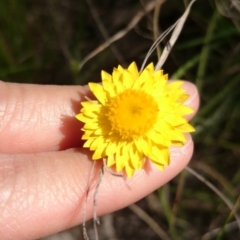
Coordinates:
[132,113]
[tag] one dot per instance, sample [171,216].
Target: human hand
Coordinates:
[44,171]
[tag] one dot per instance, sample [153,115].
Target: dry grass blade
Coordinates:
[177,30]
[155,24]
[96,220]
[176,206]
[214,233]
[147,219]
[156,43]
[202,166]
[218,192]
[149,7]
[104,32]
[85,235]
[230,9]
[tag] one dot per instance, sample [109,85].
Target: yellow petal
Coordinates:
[83,118]
[129,171]
[120,162]
[161,80]
[161,155]
[98,154]
[110,161]
[106,76]
[159,166]
[90,104]
[111,148]
[98,91]
[109,88]
[120,68]
[183,110]
[177,144]
[90,113]
[98,131]
[143,145]
[170,132]
[97,143]
[186,128]
[135,158]
[144,76]
[150,67]
[158,138]
[183,98]
[88,143]
[133,70]
[148,86]
[116,75]
[127,79]
[87,135]
[175,120]
[91,125]
[120,159]
[174,85]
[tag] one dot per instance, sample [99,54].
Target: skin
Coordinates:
[44,171]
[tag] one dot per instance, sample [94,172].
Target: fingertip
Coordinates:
[193,101]
[120,192]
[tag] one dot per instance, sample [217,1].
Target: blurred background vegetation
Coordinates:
[66,42]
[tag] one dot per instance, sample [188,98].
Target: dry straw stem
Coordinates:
[177,28]
[149,7]
[57,24]
[96,220]
[147,219]
[228,227]
[214,174]
[85,235]
[215,232]
[176,206]
[204,57]
[104,31]
[230,9]
[219,193]
[155,24]
[108,227]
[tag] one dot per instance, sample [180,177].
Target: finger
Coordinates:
[37,118]
[44,193]
[193,100]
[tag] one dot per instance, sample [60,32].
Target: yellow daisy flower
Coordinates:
[136,116]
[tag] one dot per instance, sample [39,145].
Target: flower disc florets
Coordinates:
[137,116]
[132,113]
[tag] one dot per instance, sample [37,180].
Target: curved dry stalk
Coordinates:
[215,175]
[108,227]
[149,7]
[151,223]
[85,235]
[178,196]
[96,220]
[155,24]
[218,192]
[156,43]
[214,233]
[230,9]
[177,28]
[104,31]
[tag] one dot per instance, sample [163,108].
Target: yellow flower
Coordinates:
[136,116]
